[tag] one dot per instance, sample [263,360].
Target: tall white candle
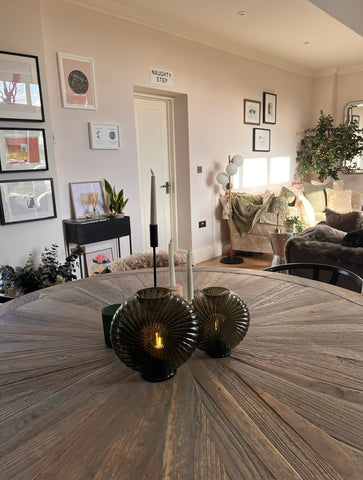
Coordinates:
[153,220]
[190,286]
[171,265]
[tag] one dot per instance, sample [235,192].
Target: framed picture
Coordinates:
[27,200]
[97,261]
[252,112]
[87,199]
[76,81]
[261,140]
[104,136]
[269,107]
[20,90]
[22,150]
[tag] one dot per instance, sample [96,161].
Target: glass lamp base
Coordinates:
[159,374]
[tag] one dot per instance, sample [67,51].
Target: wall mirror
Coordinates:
[353,112]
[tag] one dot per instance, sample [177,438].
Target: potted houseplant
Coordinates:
[327,149]
[116,199]
[29,278]
[293,224]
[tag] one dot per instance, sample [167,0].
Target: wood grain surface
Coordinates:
[286,405]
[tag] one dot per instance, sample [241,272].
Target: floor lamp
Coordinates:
[225,179]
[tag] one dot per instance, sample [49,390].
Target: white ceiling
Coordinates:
[272,31]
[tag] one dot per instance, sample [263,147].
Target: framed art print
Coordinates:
[104,136]
[87,199]
[261,139]
[22,149]
[20,90]
[269,107]
[76,81]
[27,200]
[97,261]
[252,112]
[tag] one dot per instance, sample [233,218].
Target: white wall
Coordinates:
[213,83]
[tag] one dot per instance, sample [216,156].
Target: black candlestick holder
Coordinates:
[153,244]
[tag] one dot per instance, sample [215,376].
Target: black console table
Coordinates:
[84,231]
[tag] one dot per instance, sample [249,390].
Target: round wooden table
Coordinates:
[286,405]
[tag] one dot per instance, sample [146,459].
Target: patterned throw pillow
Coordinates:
[339,201]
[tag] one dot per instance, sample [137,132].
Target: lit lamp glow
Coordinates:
[158,341]
[279,206]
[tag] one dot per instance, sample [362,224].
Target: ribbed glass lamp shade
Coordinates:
[223,319]
[222,178]
[155,332]
[278,204]
[231,169]
[237,160]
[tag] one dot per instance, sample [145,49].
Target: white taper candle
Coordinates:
[153,220]
[190,286]
[171,264]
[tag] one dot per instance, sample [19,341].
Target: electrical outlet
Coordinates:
[202,223]
[199,169]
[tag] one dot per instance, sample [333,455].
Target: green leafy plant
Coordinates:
[29,278]
[117,200]
[295,223]
[328,150]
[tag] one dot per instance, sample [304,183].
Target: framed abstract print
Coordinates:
[20,90]
[76,81]
[22,150]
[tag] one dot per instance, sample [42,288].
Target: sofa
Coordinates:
[337,241]
[307,201]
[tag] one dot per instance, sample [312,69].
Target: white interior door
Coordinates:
[155,151]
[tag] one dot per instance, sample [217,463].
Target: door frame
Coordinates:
[169,102]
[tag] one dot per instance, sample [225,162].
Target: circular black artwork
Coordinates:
[112,135]
[78,82]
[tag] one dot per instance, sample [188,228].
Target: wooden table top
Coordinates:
[286,405]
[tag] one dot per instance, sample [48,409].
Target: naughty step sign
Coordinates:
[162,77]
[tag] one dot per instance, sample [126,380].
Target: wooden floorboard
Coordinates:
[256,261]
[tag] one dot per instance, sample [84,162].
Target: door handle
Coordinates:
[167,187]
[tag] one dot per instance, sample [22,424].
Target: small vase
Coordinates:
[223,319]
[154,332]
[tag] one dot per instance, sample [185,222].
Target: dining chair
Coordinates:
[322,273]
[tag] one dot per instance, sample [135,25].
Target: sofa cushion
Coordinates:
[353,239]
[316,195]
[289,194]
[337,184]
[323,233]
[307,213]
[339,201]
[344,221]
[357,200]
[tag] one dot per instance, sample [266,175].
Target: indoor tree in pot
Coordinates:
[117,200]
[327,149]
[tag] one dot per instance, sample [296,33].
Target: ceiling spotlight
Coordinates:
[242,13]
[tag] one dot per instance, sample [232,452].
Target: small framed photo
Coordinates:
[22,149]
[97,261]
[252,112]
[20,90]
[76,81]
[269,107]
[261,139]
[87,199]
[27,200]
[103,136]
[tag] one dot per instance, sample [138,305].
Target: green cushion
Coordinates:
[316,195]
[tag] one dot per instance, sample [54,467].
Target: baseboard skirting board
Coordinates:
[203,254]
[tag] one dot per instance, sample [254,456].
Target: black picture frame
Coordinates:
[261,140]
[27,200]
[269,107]
[20,88]
[23,150]
[251,112]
